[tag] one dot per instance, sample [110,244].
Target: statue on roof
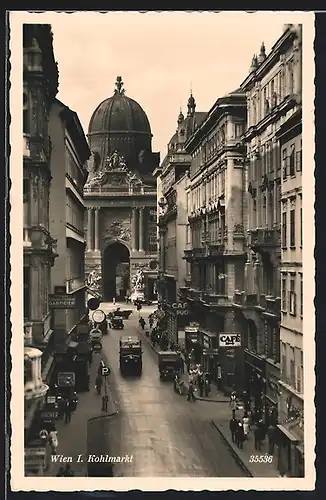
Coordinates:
[119,86]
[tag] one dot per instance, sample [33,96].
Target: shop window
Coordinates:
[27,292]
[284,229]
[292,296]
[292,161]
[292,227]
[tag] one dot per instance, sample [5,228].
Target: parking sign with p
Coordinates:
[105,370]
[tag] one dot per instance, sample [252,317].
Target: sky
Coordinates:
[160,56]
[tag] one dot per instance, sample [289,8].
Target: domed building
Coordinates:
[120,196]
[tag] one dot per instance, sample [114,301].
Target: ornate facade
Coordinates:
[120,196]
[40,82]
[172,223]
[215,249]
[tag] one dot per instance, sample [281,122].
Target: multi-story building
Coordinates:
[70,153]
[291,416]
[216,208]
[120,197]
[272,96]
[173,223]
[40,84]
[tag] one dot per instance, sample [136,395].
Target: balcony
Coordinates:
[243,299]
[273,305]
[194,294]
[265,239]
[40,239]
[34,387]
[26,238]
[74,284]
[213,299]
[216,249]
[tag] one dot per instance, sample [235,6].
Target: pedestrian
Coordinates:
[241,436]
[142,322]
[68,409]
[191,392]
[105,400]
[271,439]
[61,472]
[113,301]
[201,384]
[53,437]
[98,384]
[181,366]
[233,427]
[245,423]
[233,401]
[68,472]
[219,378]
[207,384]
[258,437]
[246,401]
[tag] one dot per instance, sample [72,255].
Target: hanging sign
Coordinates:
[230,340]
[98,316]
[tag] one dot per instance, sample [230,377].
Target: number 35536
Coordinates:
[261,459]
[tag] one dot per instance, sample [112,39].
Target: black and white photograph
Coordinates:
[162,236]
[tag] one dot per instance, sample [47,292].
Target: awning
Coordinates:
[287,433]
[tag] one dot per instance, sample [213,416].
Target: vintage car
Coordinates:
[117,323]
[169,363]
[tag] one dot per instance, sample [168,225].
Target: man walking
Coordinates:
[98,384]
[68,412]
[105,400]
[191,392]
[233,427]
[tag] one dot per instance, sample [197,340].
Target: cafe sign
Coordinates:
[229,340]
[181,308]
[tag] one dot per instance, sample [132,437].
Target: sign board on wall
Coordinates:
[230,340]
[62,301]
[191,329]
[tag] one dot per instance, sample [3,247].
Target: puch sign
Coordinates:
[230,340]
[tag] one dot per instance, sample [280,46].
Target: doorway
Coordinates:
[115,271]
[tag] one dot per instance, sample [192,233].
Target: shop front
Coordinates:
[290,433]
[209,351]
[255,380]
[193,343]
[271,393]
[231,363]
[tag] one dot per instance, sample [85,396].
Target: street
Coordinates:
[166,435]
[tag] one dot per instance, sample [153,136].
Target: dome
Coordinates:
[120,124]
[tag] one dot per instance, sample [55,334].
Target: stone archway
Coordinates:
[115,271]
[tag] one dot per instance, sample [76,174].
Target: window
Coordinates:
[292,161]
[28,370]
[301,226]
[283,361]
[187,233]
[26,201]
[299,373]
[27,293]
[26,127]
[238,130]
[292,296]
[284,164]
[298,159]
[292,367]
[283,293]
[301,296]
[292,227]
[284,229]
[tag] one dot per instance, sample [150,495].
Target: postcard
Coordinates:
[162,236]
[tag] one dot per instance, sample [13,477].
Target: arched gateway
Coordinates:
[120,197]
[115,271]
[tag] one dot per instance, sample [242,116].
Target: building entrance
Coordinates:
[115,271]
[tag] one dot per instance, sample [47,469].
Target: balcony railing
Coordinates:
[216,249]
[244,299]
[265,238]
[215,299]
[273,305]
[74,284]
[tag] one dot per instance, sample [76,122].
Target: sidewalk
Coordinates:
[72,437]
[214,397]
[246,455]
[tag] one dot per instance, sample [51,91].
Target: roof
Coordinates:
[119,113]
